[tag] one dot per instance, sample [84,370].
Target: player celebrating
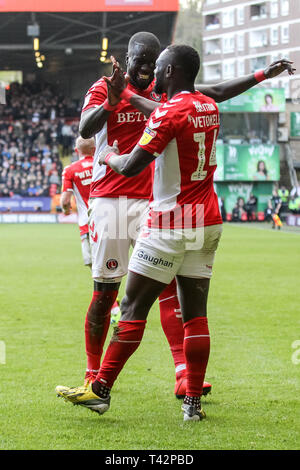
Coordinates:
[181,137]
[77,179]
[110,254]
[109,120]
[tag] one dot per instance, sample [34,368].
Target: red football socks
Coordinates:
[126,339]
[171,322]
[96,326]
[196,350]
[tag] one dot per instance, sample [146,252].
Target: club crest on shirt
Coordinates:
[147,136]
[155,96]
[112,264]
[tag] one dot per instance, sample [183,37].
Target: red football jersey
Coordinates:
[77,177]
[125,124]
[182,135]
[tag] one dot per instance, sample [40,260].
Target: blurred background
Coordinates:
[52,53]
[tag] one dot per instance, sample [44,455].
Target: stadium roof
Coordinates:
[71,38]
[89,5]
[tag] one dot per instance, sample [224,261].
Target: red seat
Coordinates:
[260,216]
[228,217]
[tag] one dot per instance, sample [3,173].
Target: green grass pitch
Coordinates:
[253,317]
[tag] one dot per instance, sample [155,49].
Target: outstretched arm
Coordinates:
[231,88]
[92,120]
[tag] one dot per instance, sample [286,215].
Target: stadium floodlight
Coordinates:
[42,57]
[40,65]
[104,44]
[36,44]
[37,54]
[33,30]
[104,53]
[102,59]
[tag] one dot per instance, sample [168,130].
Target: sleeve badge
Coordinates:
[147,136]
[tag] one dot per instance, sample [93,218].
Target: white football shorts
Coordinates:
[86,250]
[161,254]
[114,226]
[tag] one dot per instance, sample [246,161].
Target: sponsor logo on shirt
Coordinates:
[134,116]
[147,136]
[141,254]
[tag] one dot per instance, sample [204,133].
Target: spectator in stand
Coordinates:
[31,191]
[54,178]
[67,134]
[2,190]
[251,207]
[235,213]
[241,207]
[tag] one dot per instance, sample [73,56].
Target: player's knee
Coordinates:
[127,309]
[132,310]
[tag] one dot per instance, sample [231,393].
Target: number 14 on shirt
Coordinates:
[199,137]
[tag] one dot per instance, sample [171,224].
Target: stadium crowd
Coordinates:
[37,126]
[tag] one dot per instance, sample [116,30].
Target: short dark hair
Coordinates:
[144,38]
[187,58]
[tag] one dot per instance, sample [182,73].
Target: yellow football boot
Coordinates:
[84,396]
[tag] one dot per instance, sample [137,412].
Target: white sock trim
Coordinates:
[167,298]
[197,336]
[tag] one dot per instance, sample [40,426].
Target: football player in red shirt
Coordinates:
[110,120]
[77,179]
[180,137]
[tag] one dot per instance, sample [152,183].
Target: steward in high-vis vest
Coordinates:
[284,193]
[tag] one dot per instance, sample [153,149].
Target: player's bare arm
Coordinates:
[92,120]
[65,202]
[231,88]
[130,164]
[143,104]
